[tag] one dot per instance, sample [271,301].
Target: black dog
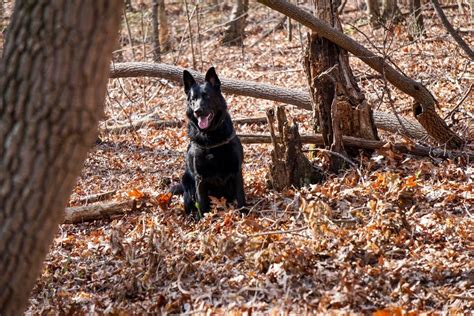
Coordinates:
[215,155]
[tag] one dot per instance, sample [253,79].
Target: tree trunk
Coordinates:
[339,106]
[451,30]
[53,77]
[417,24]
[373,9]
[390,11]
[234,33]
[165,40]
[155,31]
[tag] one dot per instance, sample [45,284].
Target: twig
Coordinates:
[464,97]
[278,232]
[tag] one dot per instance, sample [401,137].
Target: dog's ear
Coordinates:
[212,78]
[188,81]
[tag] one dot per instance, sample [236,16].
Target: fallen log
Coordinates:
[386,121]
[95,211]
[151,121]
[353,142]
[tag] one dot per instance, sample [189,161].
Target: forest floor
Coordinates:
[394,235]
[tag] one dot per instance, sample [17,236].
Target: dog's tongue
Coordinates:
[203,121]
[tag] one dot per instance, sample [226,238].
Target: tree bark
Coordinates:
[234,33]
[386,121]
[424,109]
[339,106]
[85,213]
[155,32]
[373,9]
[417,24]
[52,85]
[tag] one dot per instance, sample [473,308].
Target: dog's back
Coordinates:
[215,155]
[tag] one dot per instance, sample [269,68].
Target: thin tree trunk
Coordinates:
[52,92]
[417,24]
[390,11]
[451,30]
[373,9]
[234,33]
[155,31]
[424,106]
[165,40]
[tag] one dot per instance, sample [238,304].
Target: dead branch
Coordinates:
[95,197]
[424,108]
[386,121]
[95,211]
[353,142]
[451,30]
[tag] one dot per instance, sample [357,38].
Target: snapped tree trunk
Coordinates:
[339,106]
[234,33]
[53,77]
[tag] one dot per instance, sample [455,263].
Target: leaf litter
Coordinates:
[393,237]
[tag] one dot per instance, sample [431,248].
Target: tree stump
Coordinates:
[290,167]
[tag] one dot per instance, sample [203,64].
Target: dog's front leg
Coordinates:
[201,195]
[240,193]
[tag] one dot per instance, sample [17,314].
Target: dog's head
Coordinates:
[206,105]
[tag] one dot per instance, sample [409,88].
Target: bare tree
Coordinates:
[234,33]
[53,79]
[390,10]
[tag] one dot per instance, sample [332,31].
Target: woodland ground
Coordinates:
[395,235]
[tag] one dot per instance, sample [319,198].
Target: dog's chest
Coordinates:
[209,162]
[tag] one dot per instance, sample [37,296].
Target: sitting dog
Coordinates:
[215,155]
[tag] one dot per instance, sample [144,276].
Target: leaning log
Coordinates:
[385,121]
[424,106]
[360,143]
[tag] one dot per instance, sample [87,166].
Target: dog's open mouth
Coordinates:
[205,120]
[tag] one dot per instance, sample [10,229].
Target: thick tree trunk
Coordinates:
[165,40]
[424,108]
[338,104]
[53,78]
[234,33]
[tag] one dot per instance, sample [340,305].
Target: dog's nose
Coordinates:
[198,112]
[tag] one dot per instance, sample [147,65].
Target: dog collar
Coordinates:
[224,142]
